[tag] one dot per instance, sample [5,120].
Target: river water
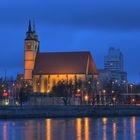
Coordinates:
[119,128]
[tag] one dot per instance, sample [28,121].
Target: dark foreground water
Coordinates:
[123,128]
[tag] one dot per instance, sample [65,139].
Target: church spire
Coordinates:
[34,26]
[34,31]
[29,26]
[31,33]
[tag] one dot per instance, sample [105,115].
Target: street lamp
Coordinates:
[86,98]
[4,90]
[131,86]
[133,101]
[78,90]
[114,99]
[89,82]
[113,91]
[97,91]
[104,93]
[125,85]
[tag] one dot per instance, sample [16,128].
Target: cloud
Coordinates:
[101,14]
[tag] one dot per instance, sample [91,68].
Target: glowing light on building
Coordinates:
[78,95]
[89,82]
[133,100]
[104,91]
[5,94]
[86,98]
[114,99]
[78,90]
[6,102]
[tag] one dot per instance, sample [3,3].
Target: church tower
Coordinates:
[31,48]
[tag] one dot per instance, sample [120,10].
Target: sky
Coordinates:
[71,25]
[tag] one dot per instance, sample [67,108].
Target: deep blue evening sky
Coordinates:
[71,25]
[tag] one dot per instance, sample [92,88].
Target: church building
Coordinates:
[46,69]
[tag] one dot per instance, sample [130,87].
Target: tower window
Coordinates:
[28,47]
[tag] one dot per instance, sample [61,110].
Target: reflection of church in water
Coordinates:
[45,69]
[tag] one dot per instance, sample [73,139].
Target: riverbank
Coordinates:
[67,111]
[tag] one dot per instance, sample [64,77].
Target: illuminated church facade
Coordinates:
[46,69]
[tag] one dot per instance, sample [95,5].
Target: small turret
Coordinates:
[34,32]
[29,26]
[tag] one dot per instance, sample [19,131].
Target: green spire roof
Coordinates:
[31,33]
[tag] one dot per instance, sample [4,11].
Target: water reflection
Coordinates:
[125,129]
[30,131]
[114,130]
[104,120]
[133,127]
[48,129]
[4,131]
[86,127]
[71,129]
[79,128]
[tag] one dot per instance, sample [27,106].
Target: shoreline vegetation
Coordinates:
[53,111]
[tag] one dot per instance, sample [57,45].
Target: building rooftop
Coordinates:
[64,63]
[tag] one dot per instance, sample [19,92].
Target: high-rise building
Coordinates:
[113,61]
[114,66]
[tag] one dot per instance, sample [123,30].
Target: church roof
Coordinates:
[64,63]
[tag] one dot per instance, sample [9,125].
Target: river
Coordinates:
[119,128]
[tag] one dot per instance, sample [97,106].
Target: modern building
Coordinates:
[113,67]
[105,76]
[46,69]
[120,77]
[113,61]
